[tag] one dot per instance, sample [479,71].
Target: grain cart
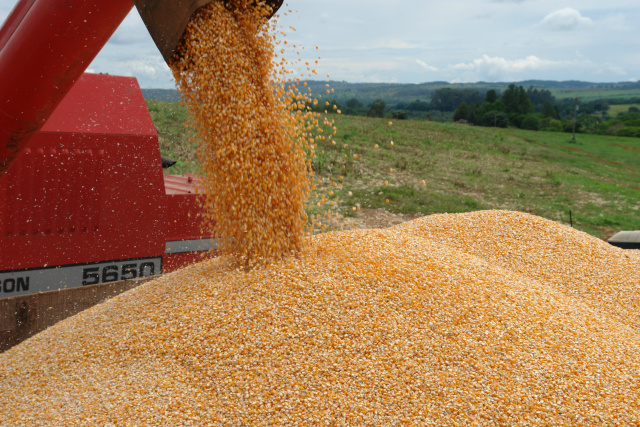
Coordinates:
[83,199]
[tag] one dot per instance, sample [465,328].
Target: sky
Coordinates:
[415,41]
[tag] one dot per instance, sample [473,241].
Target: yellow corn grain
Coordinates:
[486,318]
[492,317]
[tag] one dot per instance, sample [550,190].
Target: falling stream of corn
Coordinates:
[252,134]
[485,318]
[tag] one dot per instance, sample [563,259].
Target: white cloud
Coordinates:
[489,68]
[498,68]
[414,40]
[143,67]
[370,71]
[426,66]
[498,64]
[326,64]
[565,19]
[131,31]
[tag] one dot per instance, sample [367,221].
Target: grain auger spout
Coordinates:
[166,21]
[46,45]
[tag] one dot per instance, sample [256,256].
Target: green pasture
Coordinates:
[594,93]
[464,168]
[614,110]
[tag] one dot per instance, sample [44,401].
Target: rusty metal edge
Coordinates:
[166,21]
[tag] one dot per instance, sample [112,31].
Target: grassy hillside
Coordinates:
[169,119]
[597,92]
[614,110]
[466,168]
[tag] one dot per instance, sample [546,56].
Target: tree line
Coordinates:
[531,109]
[527,109]
[535,109]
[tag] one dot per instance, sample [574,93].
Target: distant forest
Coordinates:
[531,104]
[535,109]
[394,94]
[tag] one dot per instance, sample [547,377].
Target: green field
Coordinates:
[170,119]
[614,110]
[595,93]
[465,168]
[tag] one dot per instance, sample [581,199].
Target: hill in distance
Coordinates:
[399,93]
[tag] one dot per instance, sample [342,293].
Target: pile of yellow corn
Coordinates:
[487,318]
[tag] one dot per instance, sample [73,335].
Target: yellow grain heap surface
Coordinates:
[250,127]
[485,318]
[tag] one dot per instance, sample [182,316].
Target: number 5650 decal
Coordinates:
[115,272]
[32,280]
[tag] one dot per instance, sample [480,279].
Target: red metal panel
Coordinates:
[79,196]
[181,184]
[44,54]
[126,115]
[83,194]
[121,218]
[183,217]
[36,186]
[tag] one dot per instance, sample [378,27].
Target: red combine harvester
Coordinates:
[83,199]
